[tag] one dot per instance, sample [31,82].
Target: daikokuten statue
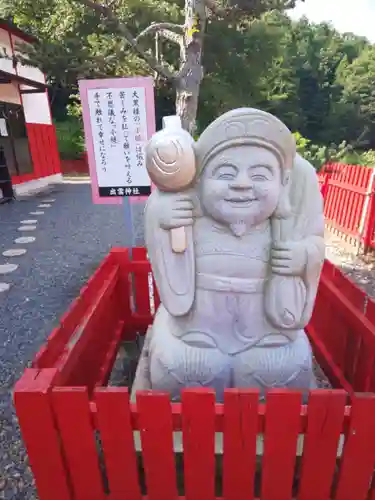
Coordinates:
[236,298]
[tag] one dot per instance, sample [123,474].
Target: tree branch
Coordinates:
[211,4]
[159,27]
[107,12]
[172,37]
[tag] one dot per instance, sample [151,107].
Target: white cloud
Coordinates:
[357,17]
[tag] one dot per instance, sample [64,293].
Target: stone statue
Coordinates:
[238,291]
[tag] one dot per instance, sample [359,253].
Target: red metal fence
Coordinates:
[349,200]
[86,441]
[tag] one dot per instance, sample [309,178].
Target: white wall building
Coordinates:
[27,134]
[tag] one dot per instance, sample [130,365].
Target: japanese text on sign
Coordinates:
[119,129]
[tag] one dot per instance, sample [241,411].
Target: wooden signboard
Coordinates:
[119,118]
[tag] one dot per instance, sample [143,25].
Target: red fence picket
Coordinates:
[360,442]
[114,418]
[280,447]
[198,429]
[239,461]
[326,410]
[157,440]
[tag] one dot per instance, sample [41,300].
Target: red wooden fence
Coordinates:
[85,449]
[342,331]
[80,436]
[349,200]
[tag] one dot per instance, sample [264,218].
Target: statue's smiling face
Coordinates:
[241,186]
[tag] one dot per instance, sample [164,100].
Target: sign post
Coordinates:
[119,118]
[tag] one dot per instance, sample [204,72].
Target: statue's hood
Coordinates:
[246,126]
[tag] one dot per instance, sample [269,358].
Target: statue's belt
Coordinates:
[224,284]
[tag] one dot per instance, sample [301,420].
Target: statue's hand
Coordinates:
[175,210]
[289,258]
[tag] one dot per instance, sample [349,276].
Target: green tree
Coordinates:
[303,85]
[116,37]
[236,59]
[318,81]
[357,101]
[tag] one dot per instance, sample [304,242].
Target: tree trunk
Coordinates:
[187,93]
[191,71]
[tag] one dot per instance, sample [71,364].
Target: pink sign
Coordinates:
[119,118]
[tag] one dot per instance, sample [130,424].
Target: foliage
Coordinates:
[357,100]
[74,107]
[319,82]
[303,86]
[365,158]
[343,153]
[89,38]
[70,138]
[368,158]
[319,155]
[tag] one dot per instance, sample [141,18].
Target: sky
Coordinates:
[356,16]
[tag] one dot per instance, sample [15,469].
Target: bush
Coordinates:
[319,155]
[368,158]
[70,138]
[364,158]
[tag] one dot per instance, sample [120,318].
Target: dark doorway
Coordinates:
[6,189]
[14,140]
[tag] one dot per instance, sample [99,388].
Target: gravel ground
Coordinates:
[360,269]
[72,237]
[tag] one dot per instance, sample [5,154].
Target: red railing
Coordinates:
[349,200]
[86,441]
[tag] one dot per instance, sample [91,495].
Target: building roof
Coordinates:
[6,77]
[9,26]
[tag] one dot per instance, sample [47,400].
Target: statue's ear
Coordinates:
[285,178]
[283,209]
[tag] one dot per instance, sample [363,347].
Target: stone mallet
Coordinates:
[170,162]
